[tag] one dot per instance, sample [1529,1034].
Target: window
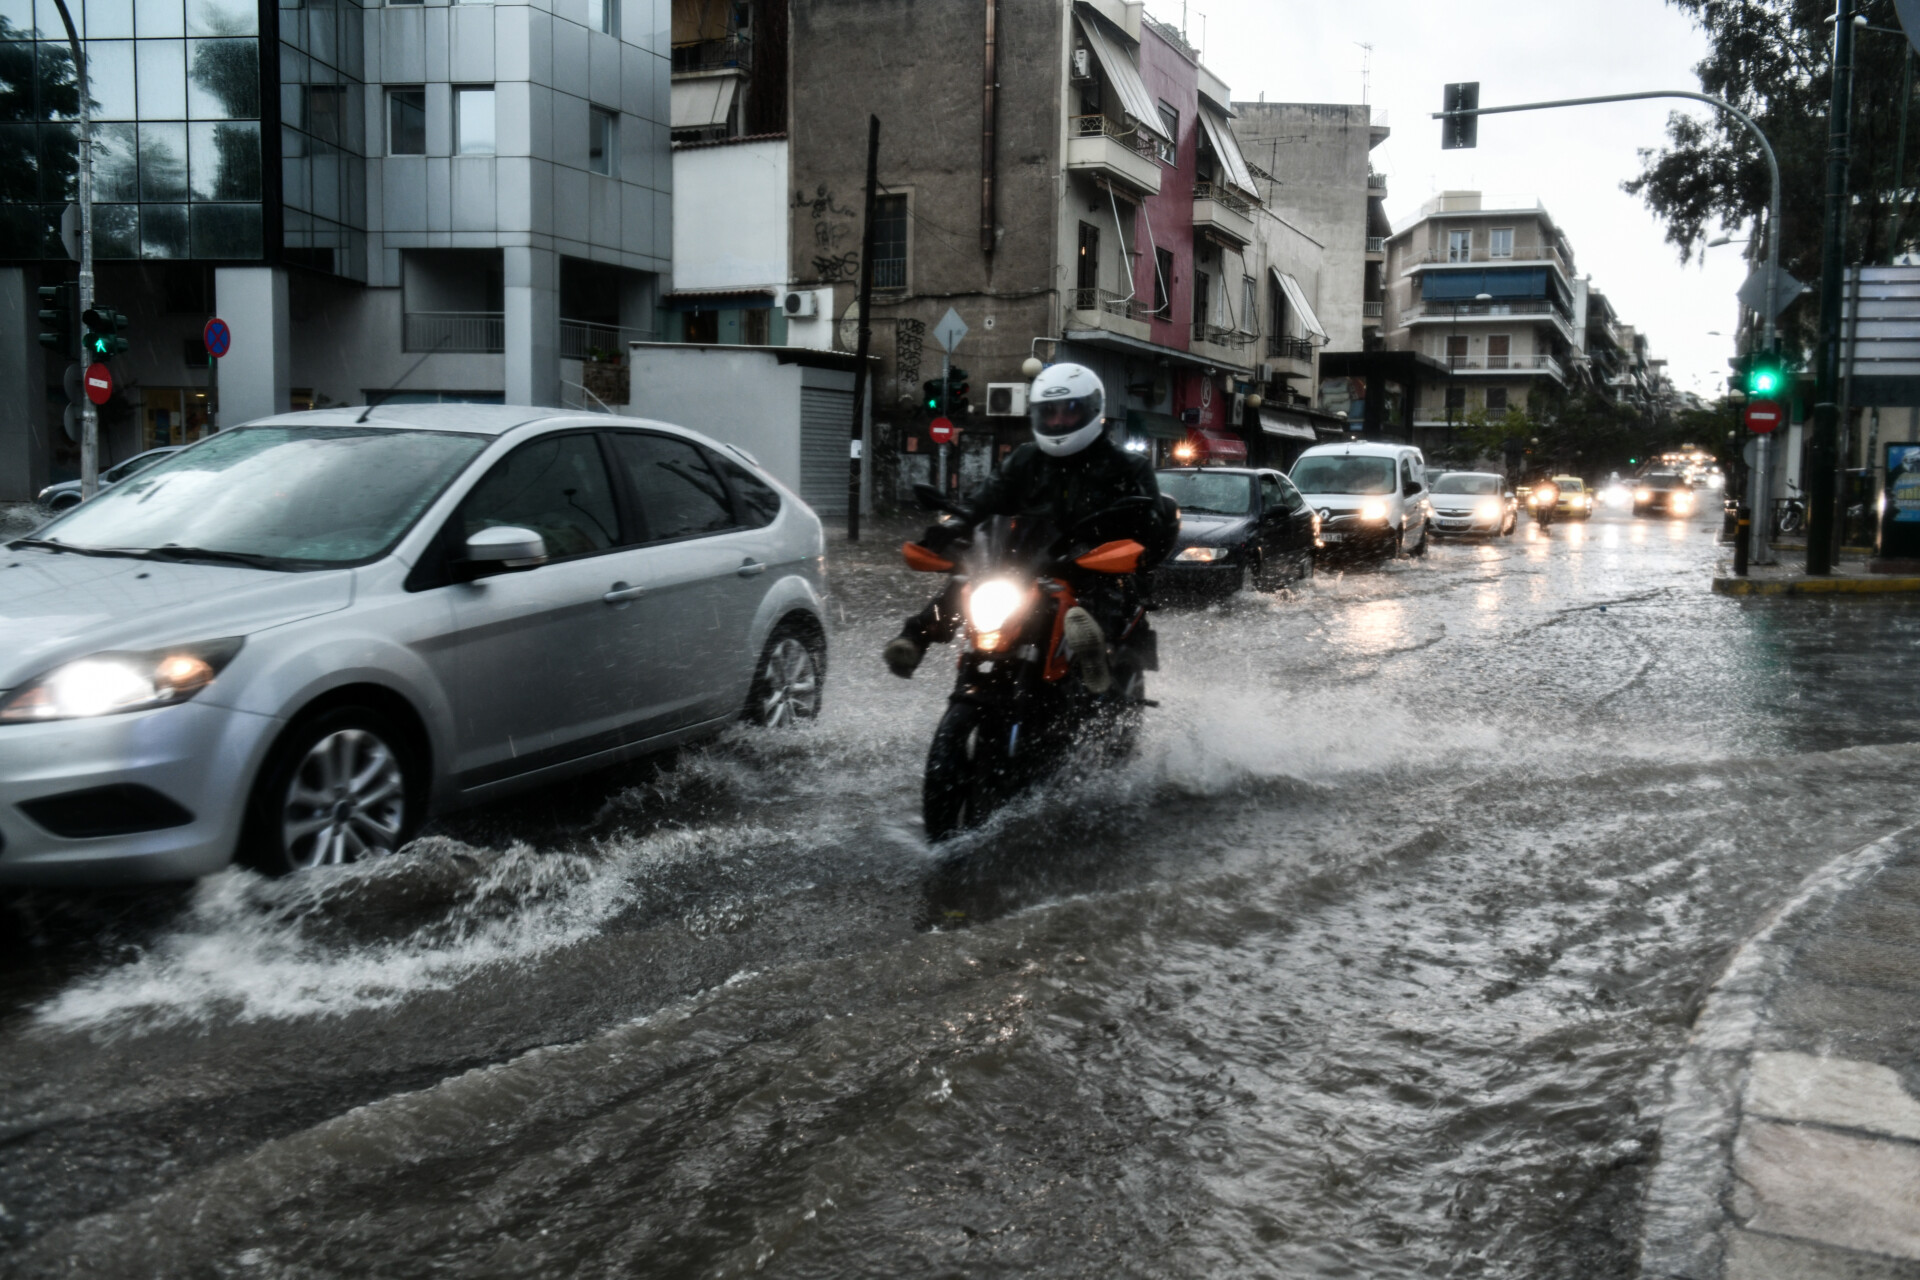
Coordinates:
[1202,287]
[326,117]
[756,328]
[1271,498]
[1496,399]
[1499,347]
[1276,309]
[702,326]
[1163,283]
[1457,351]
[557,487]
[473,120]
[1087,271]
[1456,397]
[603,136]
[757,501]
[890,242]
[407,121]
[1170,118]
[604,15]
[1500,243]
[1459,246]
[678,493]
[1249,304]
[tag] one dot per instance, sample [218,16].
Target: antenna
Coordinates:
[1366,70]
[373,404]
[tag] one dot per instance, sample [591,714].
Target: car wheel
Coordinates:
[1303,567]
[786,684]
[65,502]
[1421,548]
[341,787]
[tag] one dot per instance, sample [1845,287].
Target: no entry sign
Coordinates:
[219,337]
[941,430]
[99,383]
[1765,416]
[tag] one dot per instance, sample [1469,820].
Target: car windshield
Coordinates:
[1343,474]
[1467,482]
[1659,481]
[1570,485]
[1212,493]
[294,496]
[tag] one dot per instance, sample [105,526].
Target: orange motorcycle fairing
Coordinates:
[918,557]
[1113,557]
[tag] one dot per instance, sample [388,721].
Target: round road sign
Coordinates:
[1765,416]
[99,383]
[219,338]
[941,430]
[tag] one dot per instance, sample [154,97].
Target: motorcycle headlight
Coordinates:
[991,605]
[110,683]
[1373,510]
[1202,555]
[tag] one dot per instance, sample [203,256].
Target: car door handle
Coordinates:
[622,593]
[750,567]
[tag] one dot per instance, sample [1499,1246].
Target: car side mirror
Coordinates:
[502,549]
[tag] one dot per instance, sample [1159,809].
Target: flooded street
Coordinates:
[1371,963]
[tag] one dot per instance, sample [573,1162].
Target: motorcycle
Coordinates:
[1017,709]
[1544,498]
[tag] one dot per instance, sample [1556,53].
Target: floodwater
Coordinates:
[1371,964]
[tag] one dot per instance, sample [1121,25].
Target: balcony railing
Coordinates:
[1376,244]
[1372,310]
[728,52]
[1220,335]
[1223,197]
[1467,310]
[581,340]
[1290,348]
[1095,126]
[454,332]
[1506,364]
[1109,303]
[1376,182]
[1521,255]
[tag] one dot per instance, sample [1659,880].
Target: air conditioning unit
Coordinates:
[1263,372]
[798,303]
[1006,399]
[1083,64]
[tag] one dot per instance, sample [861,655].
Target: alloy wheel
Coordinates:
[346,800]
[790,684]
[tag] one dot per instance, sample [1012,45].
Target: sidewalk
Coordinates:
[1791,1143]
[1788,576]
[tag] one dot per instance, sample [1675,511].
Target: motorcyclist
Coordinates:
[1070,472]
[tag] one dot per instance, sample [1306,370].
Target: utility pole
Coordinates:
[89,415]
[856,447]
[1822,452]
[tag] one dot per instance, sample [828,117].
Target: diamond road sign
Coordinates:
[949,331]
[1753,294]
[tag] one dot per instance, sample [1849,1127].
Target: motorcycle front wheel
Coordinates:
[959,790]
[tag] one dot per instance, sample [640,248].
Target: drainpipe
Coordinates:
[989,76]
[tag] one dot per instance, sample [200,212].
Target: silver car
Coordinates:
[292,641]
[58,497]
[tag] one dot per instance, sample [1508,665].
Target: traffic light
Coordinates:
[103,333]
[1460,132]
[957,392]
[935,394]
[56,317]
[1767,377]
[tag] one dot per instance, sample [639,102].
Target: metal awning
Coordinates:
[1297,299]
[1292,425]
[703,103]
[1135,347]
[1124,77]
[1227,147]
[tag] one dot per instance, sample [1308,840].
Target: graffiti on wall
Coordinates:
[832,227]
[909,339]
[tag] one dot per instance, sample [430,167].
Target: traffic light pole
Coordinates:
[1823,449]
[89,415]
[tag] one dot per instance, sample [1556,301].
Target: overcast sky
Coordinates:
[1573,160]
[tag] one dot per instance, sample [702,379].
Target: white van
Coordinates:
[1370,497]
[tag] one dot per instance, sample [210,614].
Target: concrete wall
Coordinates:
[730,216]
[23,425]
[1320,154]
[738,395]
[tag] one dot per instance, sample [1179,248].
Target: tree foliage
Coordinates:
[1773,60]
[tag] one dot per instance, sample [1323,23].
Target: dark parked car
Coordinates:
[1662,493]
[1236,523]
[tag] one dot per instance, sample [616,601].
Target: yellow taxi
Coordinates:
[1575,499]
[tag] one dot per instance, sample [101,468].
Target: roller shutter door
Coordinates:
[826,418]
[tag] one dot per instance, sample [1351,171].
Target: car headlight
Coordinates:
[1643,495]
[109,683]
[990,605]
[1202,555]
[1374,510]
[1487,508]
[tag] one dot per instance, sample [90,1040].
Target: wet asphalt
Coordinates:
[1371,963]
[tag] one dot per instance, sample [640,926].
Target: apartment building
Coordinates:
[414,200]
[1486,288]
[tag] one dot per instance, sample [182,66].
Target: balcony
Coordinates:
[1104,309]
[1376,185]
[1227,216]
[1522,255]
[1377,245]
[729,53]
[1508,365]
[1291,357]
[1372,310]
[1115,152]
[1484,310]
[581,340]
[1221,345]
[454,332]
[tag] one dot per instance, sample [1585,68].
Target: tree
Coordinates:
[1773,60]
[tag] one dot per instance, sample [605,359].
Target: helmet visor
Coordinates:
[1064,416]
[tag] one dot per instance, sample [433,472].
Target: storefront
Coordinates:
[171,415]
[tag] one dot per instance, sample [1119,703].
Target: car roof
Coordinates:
[1493,475]
[470,419]
[1225,471]
[1358,449]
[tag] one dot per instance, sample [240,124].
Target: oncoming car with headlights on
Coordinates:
[1372,498]
[292,641]
[1473,502]
[1663,493]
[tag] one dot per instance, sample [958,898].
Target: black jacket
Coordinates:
[1068,490]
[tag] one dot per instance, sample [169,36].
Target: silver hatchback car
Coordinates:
[291,642]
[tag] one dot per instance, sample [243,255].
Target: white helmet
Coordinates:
[1066,407]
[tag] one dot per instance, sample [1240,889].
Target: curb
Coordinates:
[1684,1211]
[1833,585]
